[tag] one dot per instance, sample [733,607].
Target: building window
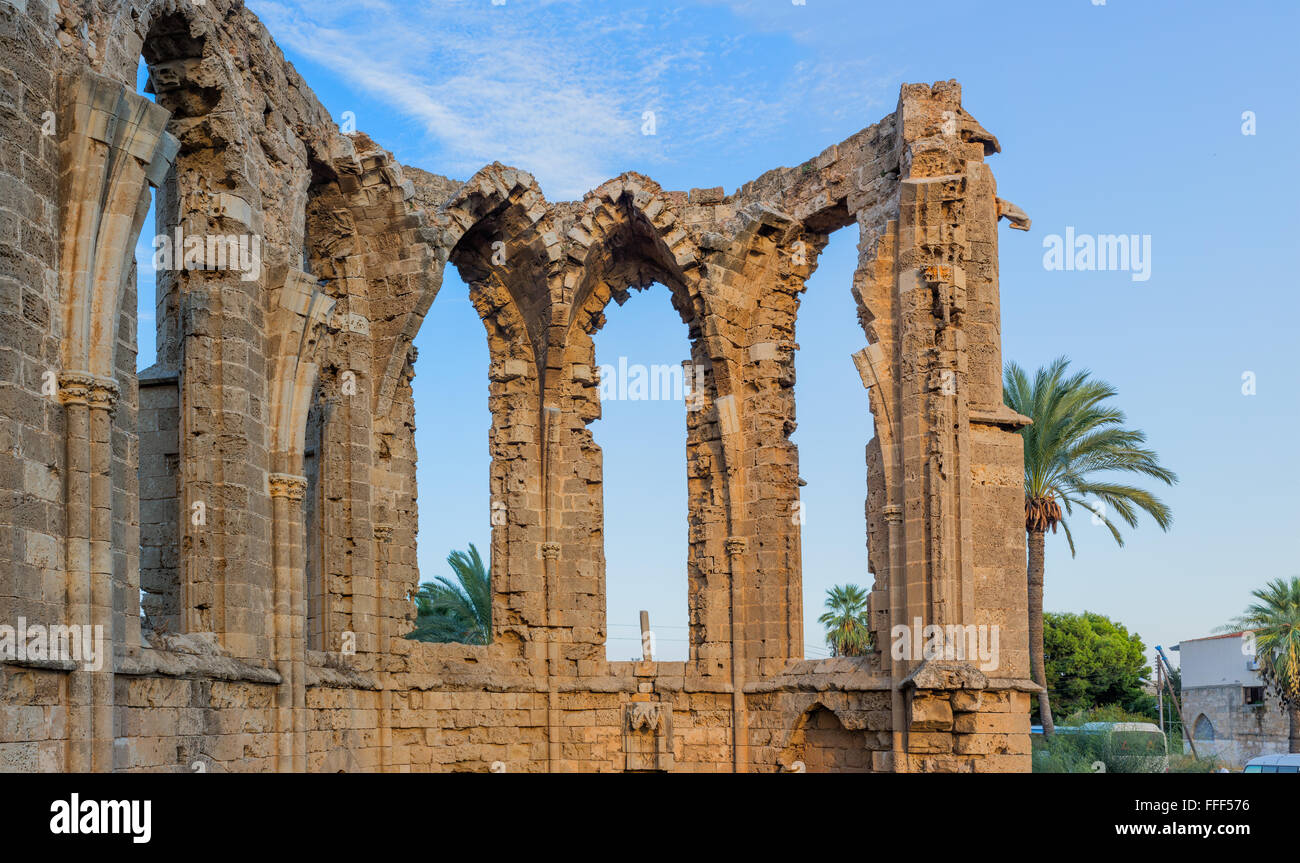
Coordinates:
[1253,696]
[1203,729]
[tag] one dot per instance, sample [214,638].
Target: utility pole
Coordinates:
[1187,732]
[1160,693]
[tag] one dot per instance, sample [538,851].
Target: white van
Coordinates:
[1141,745]
[1273,764]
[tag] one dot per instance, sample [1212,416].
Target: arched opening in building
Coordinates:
[645,383]
[452,427]
[150,313]
[323,632]
[834,424]
[1203,729]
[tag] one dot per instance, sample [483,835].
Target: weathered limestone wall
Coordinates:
[160,513]
[1241,731]
[258,482]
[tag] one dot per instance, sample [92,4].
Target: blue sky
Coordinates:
[1125,118]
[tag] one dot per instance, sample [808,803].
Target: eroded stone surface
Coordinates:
[259,482]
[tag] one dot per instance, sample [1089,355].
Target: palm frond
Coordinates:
[848,629]
[459,609]
[1075,446]
[1275,619]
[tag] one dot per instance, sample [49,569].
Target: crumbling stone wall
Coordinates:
[258,482]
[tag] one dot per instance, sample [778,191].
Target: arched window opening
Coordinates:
[643,360]
[152,303]
[834,424]
[323,627]
[452,424]
[1203,729]
[314,582]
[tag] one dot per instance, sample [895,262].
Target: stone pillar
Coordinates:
[383,536]
[103,397]
[550,557]
[88,405]
[290,616]
[74,392]
[893,515]
[112,146]
[736,547]
[948,447]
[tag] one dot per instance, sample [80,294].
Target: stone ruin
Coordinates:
[240,518]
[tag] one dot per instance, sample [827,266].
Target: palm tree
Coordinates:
[848,632]
[1075,442]
[1275,620]
[459,610]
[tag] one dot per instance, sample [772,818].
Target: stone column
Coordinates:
[383,536]
[736,547]
[550,556]
[103,397]
[74,392]
[88,405]
[112,146]
[287,491]
[893,515]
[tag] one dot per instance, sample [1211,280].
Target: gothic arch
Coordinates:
[1203,728]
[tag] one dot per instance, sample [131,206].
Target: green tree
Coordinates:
[1074,447]
[459,610]
[1093,662]
[848,632]
[1274,617]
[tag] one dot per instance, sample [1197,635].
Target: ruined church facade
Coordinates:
[239,520]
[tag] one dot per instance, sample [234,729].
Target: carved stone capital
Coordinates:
[893,513]
[83,388]
[551,550]
[644,716]
[287,485]
[383,532]
[648,736]
[736,545]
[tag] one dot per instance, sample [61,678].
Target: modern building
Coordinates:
[1225,702]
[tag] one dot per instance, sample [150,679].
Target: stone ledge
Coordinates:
[931,674]
[330,670]
[43,664]
[1017,683]
[398,682]
[1001,416]
[842,673]
[192,655]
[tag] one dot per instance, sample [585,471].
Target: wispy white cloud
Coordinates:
[561,88]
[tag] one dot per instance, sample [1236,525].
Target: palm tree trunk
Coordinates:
[1036,665]
[1295,729]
